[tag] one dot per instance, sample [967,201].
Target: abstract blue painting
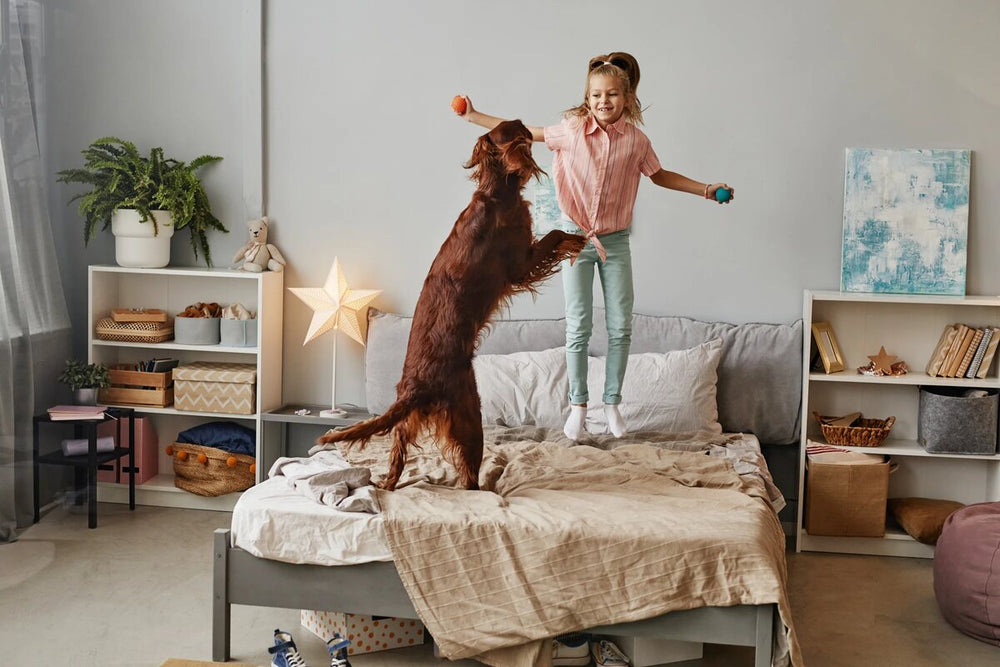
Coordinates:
[906,221]
[545,211]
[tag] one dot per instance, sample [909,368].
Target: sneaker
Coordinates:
[284,651]
[571,650]
[607,654]
[336,646]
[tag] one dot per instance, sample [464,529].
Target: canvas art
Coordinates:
[906,221]
[545,211]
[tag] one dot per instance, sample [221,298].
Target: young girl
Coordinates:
[600,153]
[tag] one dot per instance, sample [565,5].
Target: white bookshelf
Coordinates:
[173,289]
[908,326]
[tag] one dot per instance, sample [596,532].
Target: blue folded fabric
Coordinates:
[227,436]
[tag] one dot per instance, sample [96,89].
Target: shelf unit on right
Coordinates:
[908,326]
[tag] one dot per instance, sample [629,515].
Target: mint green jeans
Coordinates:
[578,287]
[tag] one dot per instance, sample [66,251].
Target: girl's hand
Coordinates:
[468,107]
[710,192]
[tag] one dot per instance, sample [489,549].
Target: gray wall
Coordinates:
[363,155]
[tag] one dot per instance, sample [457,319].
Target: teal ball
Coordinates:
[723,195]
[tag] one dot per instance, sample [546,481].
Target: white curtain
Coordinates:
[34,324]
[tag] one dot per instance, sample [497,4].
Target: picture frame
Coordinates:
[829,349]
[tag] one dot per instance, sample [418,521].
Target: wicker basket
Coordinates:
[861,433]
[134,332]
[210,471]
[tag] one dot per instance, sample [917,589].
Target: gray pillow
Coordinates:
[760,386]
[388,335]
[760,374]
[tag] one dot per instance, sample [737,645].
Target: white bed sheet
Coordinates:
[272,520]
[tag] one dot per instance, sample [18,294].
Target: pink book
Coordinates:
[68,412]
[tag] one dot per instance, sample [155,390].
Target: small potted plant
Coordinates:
[85,380]
[144,199]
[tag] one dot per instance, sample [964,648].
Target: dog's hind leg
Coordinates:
[403,435]
[463,439]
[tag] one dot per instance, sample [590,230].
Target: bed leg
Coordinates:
[765,635]
[220,597]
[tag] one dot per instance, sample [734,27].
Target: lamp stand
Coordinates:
[334,411]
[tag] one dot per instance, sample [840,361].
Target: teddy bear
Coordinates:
[258,255]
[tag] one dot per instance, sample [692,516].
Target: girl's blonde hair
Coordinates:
[623,67]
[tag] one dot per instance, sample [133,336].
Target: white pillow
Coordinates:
[523,388]
[673,391]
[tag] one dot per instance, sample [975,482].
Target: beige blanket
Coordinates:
[567,538]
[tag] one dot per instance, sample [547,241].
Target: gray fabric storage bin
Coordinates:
[952,423]
[196,330]
[238,333]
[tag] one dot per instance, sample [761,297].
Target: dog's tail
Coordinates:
[366,430]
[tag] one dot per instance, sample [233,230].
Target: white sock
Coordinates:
[615,420]
[574,427]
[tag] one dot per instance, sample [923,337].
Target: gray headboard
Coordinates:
[759,387]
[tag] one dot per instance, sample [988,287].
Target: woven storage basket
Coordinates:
[206,470]
[134,332]
[861,433]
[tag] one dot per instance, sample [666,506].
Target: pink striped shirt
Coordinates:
[597,171]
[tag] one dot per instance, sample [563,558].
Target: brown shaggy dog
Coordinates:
[489,256]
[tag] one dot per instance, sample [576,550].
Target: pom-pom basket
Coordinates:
[210,471]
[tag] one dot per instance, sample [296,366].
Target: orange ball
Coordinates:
[231,462]
[170,450]
[182,455]
[459,104]
[202,458]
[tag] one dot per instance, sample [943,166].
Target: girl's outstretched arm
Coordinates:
[674,181]
[489,122]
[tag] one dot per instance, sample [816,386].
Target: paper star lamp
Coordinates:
[335,306]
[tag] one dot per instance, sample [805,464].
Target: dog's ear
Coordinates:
[485,162]
[517,159]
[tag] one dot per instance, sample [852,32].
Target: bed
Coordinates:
[382,565]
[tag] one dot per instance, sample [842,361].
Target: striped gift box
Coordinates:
[214,386]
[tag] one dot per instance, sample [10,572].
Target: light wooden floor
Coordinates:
[137,590]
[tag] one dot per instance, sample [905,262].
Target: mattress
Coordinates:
[273,520]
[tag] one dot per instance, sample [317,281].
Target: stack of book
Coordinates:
[964,351]
[70,412]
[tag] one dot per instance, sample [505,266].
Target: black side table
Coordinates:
[87,464]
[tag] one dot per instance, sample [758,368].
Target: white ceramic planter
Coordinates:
[135,244]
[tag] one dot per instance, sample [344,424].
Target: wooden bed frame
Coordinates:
[375,589]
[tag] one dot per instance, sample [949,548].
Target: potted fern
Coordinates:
[143,199]
[85,380]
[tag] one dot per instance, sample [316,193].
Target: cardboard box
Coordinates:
[211,386]
[846,500]
[367,633]
[147,455]
[648,651]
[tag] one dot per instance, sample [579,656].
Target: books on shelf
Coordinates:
[991,349]
[970,352]
[964,351]
[941,351]
[70,412]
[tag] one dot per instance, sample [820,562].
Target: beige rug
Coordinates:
[174,662]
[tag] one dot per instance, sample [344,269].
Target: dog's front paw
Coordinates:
[571,246]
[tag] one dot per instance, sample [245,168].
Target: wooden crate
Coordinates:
[129,387]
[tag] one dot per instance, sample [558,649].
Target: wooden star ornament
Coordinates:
[883,360]
[335,305]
